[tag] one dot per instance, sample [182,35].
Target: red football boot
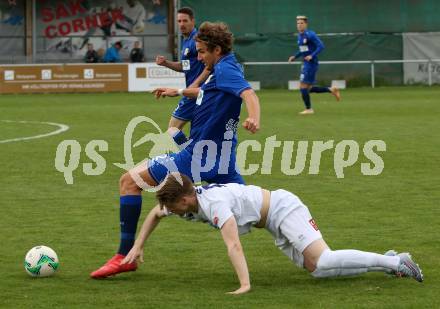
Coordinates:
[113,267]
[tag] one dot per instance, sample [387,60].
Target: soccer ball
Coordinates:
[41,261]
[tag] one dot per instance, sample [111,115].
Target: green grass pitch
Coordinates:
[186,264]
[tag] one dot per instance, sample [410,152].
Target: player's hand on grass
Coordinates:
[251,125]
[291,59]
[136,253]
[308,58]
[165,92]
[160,60]
[243,289]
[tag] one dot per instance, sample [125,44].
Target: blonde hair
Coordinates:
[302,17]
[173,190]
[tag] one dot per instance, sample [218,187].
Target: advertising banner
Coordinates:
[63,78]
[66,27]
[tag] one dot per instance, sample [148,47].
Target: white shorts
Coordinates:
[298,230]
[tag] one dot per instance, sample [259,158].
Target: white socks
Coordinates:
[352,262]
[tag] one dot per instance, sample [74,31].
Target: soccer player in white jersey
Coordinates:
[235,208]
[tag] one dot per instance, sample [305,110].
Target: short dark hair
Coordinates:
[173,190]
[186,10]
[215,34]
[118,43]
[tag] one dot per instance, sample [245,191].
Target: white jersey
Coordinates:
[219,202]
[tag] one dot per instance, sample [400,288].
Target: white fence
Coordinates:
[372,63]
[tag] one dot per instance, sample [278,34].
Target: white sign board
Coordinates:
[149,76]
[417,46]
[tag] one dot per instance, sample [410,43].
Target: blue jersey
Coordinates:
[215,122]
[218,105]
[192,67]
[309,44]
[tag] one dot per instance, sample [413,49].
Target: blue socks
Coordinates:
[317,89]
[130,211]
[306,97]
[305,93]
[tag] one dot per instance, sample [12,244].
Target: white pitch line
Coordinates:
[61,128]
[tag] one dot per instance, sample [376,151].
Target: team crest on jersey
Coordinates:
[304,41]
[186,51]
[215,221]
[313,223]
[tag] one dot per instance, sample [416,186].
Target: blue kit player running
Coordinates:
[194,70]
[209,155]
[309,48]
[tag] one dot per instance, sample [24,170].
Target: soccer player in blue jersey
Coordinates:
[194,70]
[209,155]
[309,48]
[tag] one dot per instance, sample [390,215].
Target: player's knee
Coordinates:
[304,90]
[126,183]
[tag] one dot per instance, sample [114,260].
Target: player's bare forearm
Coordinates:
[173,65]
[252,123]
[191,92]
[201,78]
[172,92]
[151,221]
[235,252]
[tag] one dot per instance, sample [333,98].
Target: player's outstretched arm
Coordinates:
[235,251]
[171,92]
[173,65]
[151,221]
[252,122]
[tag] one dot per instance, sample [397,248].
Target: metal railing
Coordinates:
[372,64]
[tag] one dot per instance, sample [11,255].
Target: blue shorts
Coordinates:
[159,167]
[185,109]
[308,73]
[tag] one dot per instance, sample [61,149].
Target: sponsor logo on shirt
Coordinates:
[186,65]
[313,224]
